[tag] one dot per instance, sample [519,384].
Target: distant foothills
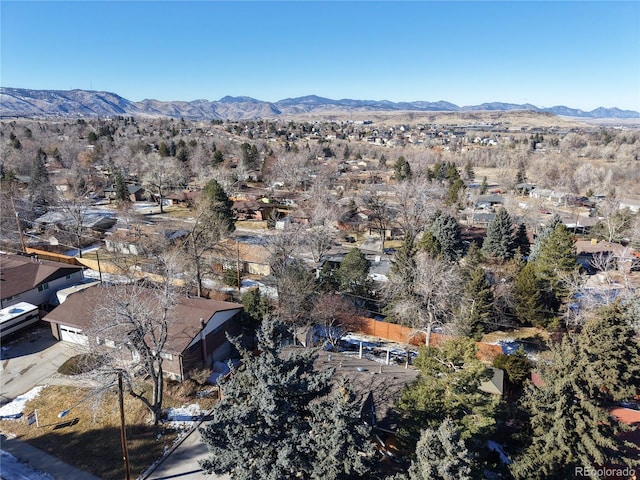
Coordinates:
[20,103]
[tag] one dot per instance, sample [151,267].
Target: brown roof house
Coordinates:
[197,332]
[29,279]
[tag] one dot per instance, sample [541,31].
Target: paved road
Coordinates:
[38,460]
[182,463]
[31,360]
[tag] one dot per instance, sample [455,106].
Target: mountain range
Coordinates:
[20,102]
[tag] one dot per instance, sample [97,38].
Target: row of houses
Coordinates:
[198,328]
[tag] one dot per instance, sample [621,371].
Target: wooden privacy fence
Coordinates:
[401,334]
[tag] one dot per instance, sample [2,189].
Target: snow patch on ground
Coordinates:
[496,447]
[12,469]
[16,406]
[183,417]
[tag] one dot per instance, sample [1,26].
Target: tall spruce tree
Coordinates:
[477,306]
[499,243]
[404,260]
[402,169]
[219,204]
[609,354]
[353,273]
[571,428]
[521,240]
[445,237]
[556,260]
[39,185]
[441,454]
[530,308]
[543,235]
[279,420]
[448,387]
[122,193]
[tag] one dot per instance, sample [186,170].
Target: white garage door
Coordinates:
[73,335]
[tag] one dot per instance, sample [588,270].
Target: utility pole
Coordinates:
[13,204]
[238,263]
[123,432]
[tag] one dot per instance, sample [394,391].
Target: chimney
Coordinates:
[203,343]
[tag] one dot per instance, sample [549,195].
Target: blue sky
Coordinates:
[580,54]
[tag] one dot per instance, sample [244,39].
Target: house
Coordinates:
[185,198]
[197,334]
[135,192]
[32,280]
[482,219]
[489,200]
[249,252]
[96,220]
[377,387]
[595,256]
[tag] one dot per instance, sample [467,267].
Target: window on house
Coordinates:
[43,286]
[166,356]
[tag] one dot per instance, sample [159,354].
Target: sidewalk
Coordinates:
[182,463]
[39,460]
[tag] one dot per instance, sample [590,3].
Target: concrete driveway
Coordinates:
[29,360]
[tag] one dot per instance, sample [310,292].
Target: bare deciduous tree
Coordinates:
[416,200]
[424,294]
[162,174]
[129,332]
[336,316]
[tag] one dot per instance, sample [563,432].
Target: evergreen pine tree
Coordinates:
[402,169]
[521,240]
[448,387]
[446,232]
[477,306]
[499,243]
[543,235]
[609,354]
[484,186]
[39,186]
[277,419]
[517,368]
[219,204]
[441,454]
[570,427]
[453,192]
[521,176]
[163,150]
[530,309]
[556,259]
[353,273]
[122,193]
[469,171]
[218,158]
[404,260]
[256,308]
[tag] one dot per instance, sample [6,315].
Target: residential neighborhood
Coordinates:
[396,281]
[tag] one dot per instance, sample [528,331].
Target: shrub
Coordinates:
[80,364]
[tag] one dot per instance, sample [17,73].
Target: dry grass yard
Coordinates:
[89,436]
